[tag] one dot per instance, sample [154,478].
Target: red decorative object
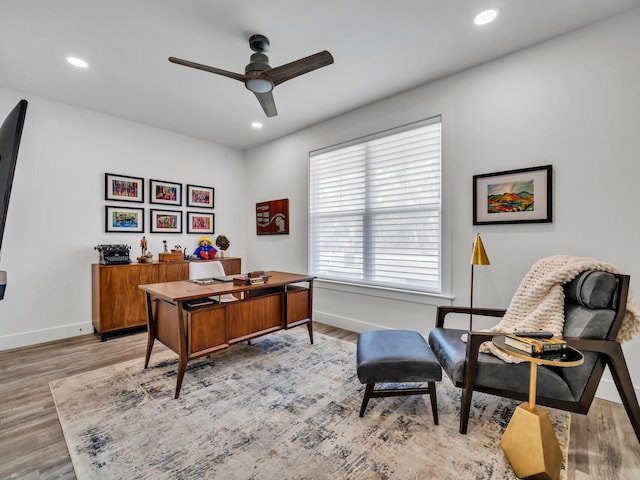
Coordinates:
[272,218]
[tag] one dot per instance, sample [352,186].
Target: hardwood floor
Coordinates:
[602,446]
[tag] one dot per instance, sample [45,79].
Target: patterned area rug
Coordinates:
[279,408]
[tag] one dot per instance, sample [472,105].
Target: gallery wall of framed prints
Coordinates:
[164,214]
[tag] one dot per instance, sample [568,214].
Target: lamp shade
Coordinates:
[479,255]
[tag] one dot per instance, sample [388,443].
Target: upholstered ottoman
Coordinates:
[397,356]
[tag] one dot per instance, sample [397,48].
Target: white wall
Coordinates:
[56,213]
[572,102]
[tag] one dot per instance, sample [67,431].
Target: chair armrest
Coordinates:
[597,345]
[487,312]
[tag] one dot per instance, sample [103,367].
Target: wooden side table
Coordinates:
[529,441]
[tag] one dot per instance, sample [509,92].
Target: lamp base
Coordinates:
[530,444]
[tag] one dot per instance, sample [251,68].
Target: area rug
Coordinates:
[279,408]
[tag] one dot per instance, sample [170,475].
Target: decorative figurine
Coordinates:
[146,256]
[164,246]
[205,250]
[222,243]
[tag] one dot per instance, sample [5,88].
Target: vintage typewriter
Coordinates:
[113,254]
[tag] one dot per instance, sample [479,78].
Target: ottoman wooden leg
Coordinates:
[434,401]
[367,395]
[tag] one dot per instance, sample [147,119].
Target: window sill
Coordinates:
[413,296]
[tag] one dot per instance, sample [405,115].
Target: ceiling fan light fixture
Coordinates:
[486,16]
[259,85]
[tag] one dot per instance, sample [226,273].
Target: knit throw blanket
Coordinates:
[538,304]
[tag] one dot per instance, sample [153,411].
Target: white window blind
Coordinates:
[374,209]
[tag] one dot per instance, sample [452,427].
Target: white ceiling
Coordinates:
[381,47]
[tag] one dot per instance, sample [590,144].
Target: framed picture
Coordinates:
[123,188]
[272,217]
[124,219]
[198,196]
[167,193]
[513,196]
[165,221]
[198,222]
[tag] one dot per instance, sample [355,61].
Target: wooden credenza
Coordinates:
[118,303]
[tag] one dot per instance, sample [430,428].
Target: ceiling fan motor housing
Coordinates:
[259,62]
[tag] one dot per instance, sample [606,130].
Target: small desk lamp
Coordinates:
[478,257]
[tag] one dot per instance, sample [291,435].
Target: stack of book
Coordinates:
[536,345]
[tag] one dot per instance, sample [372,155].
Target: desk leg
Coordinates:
[183,353]
[529,441]
[151,330]
[182,367]
[310,329]
[310,324]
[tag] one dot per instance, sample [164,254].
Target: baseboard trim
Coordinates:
[607,391]
[350,324]
[23,339]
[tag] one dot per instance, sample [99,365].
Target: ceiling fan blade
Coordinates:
[206,68]
[267,103]
[298,67]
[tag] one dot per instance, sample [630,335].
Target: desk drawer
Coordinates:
[254,315]
[207,330]
[298,304]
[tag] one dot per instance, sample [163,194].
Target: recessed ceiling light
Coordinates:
[486,16]
[77,62]
[256,125]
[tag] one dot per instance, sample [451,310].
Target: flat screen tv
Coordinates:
[10,134]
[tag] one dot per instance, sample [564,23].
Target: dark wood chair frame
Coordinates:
[610,351]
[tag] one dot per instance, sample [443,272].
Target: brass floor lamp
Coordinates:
[478,257]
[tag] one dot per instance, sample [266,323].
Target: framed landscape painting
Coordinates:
[165,221]
[198,222]
[123,188]
[124,219]
[167,193]
[199,196]
[513,196]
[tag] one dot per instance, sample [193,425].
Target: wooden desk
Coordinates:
[281,303]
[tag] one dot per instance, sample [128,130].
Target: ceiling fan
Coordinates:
[259,77]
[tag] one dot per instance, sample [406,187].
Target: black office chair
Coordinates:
[595,306]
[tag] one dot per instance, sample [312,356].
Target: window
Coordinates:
[374,209]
